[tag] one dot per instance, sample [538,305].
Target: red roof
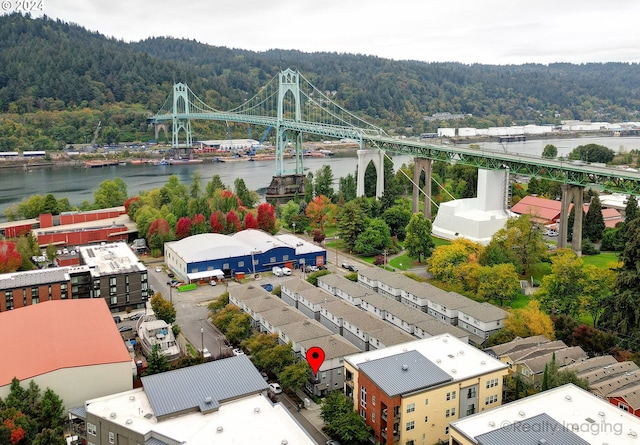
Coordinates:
[542,210]
[59,334]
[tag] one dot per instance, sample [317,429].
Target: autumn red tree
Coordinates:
[183,227]
[198,224]
[319,211]
[266,218]
[216,222]
[10,259]
[128,202]
[233,223]
[159,233]
[250,221]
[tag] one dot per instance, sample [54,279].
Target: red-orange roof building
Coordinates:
[547,211]
[70,346]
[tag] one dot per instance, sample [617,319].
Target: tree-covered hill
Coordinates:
[58,80]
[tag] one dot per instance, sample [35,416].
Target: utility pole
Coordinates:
[201,340]
[385,257]
[336,246]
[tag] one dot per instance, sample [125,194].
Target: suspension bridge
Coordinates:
[291,105]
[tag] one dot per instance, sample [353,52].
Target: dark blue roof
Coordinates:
[404,373]
[203,387]
[536,430]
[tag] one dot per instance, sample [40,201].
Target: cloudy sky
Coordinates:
[468,31]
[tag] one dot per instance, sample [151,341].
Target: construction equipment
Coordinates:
[95,135]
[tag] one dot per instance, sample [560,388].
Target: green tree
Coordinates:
[350,222]
[445,259]
[397,218]
[49,436]
[592,153]
[249,198]
[52,253]
[631,210]
[51,412]
[529,321]
[521,241]
[597,284]
[295,375]
[163,309]
[219,303]
[375,238]
[110,193]
[213,185]
[308,187]
[324,182]
[156,362]
[594,226]
[418,242]
[499,282]
[342,421]
[196,185]
[561,290]
[50,204]
[621,312]
[550,151]
[347,187]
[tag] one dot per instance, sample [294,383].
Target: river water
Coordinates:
[79,183]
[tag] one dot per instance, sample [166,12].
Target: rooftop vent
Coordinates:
[112,415]
[128,421]
[405,367]
[492,423]
[453,371]
[542,441]
[256,410]
[461,352]
[148,416]
[567,398]
[483,362]
[601,413]
[521,413]
[444,340]
[208,400]
[284,442]
[590,420]
[633,433]
[132,398]
[219,429]
[438,360]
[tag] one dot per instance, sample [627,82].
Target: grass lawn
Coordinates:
[601,260]
[403,262]
[520,302]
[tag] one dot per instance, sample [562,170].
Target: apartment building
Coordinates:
[409,393]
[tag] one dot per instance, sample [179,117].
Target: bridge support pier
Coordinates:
[420,165]
[364,157]
[571,193]
[160,126]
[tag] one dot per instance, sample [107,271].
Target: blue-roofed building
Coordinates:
[408,393]
[208,255]
[203,404]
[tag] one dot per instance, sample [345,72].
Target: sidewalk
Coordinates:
[311,412]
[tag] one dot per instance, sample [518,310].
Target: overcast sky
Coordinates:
[469,31]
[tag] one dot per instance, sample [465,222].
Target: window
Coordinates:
[411,425]
[50,295]
[623,407]
[373,398]
[373,417]
[450,412]
[491,399]
[363,413]
[426,401]
[112,437]
[471,409]
[240,263]
[91,429]
[114,300]
[112,281]
[491,383]
[426,419]
[63,291]
[363,397]
[451,395]
[471,393]
[24,297]
[409,442]
[446,431]
[411,407]
[8,298]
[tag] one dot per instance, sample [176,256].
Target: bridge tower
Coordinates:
[181,105]
[286,184]
[420,165]
[571,193]
[364,157]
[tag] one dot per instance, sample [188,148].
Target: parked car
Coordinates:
[158,269]
[286,271]
[170,275]
[310,269]
[205,354]
[125,328]
[238,351]
[137,316]
[117,319]
[332,442]
[350,267]
[212,282]
[277,271]
[275,388]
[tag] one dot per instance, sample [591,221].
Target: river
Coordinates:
[79,183]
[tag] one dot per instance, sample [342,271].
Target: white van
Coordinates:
[277,271]
[286,271]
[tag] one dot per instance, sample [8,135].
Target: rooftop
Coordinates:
[200,247]
[404,373]
[29,278]
[204,387]
[458,359]
[334,346]
[484,312]
[270,424]
[47,343]
[587,418]
[109,259]
[347,286]
[304,330]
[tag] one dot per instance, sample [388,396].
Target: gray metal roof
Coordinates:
[154,441]
[485,312]
[17,280]
[404,373]
[535,430]
[79,411]
[202,387]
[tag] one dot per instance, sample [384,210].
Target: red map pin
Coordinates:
[315,357]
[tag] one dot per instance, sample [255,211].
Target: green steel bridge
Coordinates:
[290,104]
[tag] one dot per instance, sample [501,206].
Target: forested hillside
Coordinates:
[59,80]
